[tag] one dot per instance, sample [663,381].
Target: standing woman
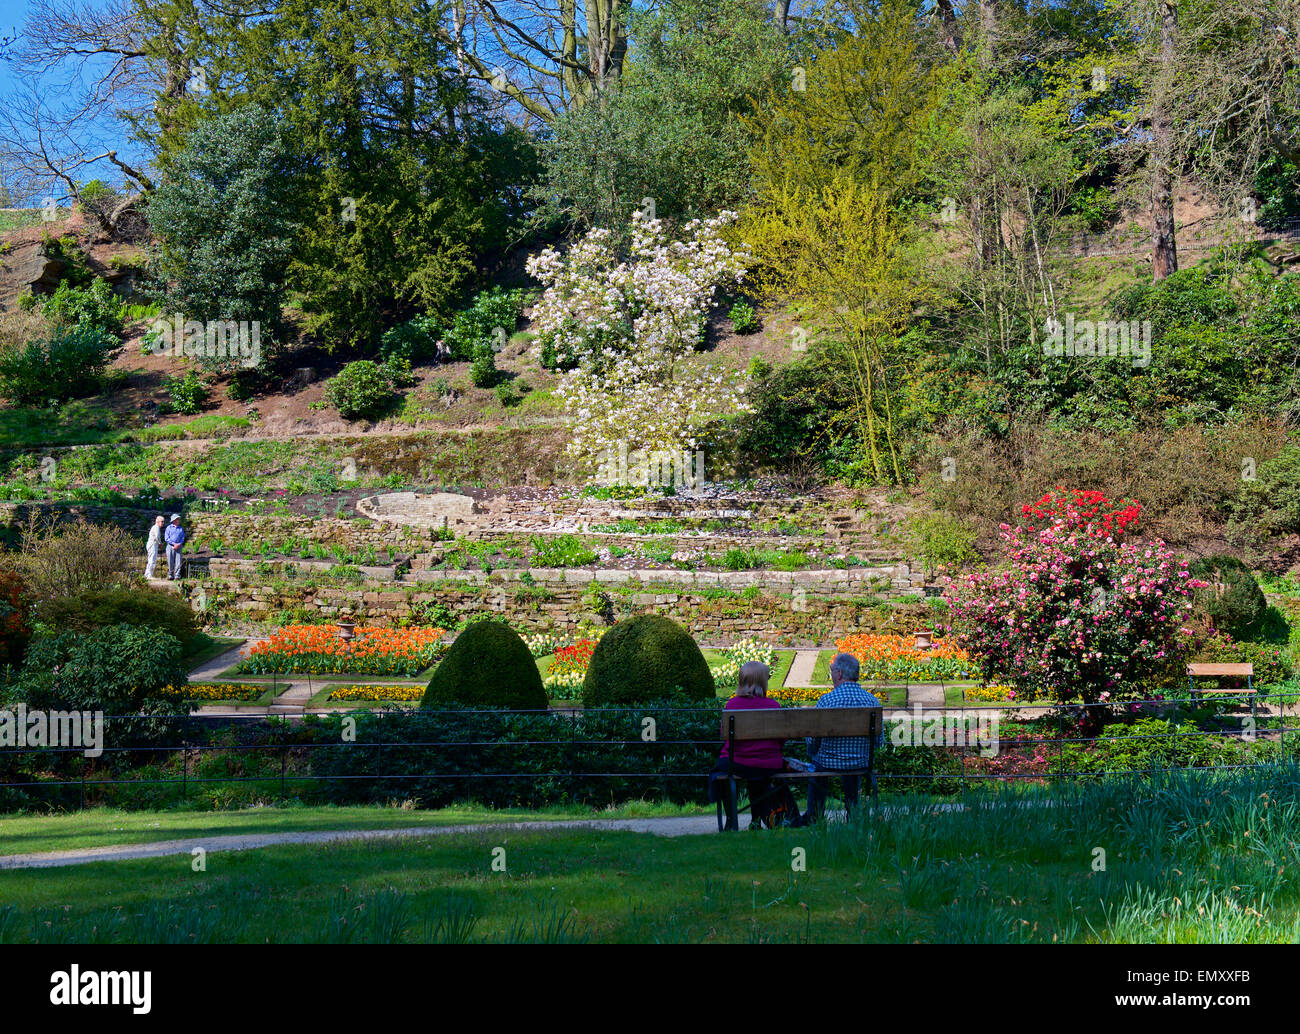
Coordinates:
[755,760]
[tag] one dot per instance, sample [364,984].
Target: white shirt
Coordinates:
[155,536]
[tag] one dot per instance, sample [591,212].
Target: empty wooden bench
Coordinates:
[796,723]
[1195,671]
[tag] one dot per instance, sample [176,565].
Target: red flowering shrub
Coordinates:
[1087,510]
[15,614]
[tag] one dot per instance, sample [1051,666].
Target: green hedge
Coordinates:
[101,608]
[437,757]
[1239,608]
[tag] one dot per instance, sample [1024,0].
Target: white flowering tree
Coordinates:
[625,327]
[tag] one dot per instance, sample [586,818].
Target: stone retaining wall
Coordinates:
[803,608]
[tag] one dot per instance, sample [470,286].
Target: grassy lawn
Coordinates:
[206,648]
[97,827]
[821,675]
[989,873]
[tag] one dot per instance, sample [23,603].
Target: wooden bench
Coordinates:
[791,723]
[1218,670]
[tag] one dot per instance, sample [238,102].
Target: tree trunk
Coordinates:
[1164,245]
[988,42]
[948,31]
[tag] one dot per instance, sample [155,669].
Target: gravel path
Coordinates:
[801,669]
[667,827]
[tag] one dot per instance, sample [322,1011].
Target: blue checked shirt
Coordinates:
[843,751]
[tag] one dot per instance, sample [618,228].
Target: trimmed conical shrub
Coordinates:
[487,666]
[646,658]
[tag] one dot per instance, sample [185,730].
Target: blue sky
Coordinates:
[106,133]
[12,14]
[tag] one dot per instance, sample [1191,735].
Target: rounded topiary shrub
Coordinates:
[646,658]
[1239,605]
[487,666]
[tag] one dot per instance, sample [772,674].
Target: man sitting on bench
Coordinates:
[832,754]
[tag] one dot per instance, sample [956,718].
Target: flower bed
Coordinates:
[895,658]
[804,696]
[726,672]
[543,644]
[1000,694]
[317,650]
[569,668]
[374,694]
[215,691]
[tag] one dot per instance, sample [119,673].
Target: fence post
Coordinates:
[964,737]
[1282,726]
[1060,741]
[185,771]
[573,735]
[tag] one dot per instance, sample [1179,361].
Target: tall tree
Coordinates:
[1164,244]
[547,56]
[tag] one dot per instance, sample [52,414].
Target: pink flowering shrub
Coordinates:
[1073,612]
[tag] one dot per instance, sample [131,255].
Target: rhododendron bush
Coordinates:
[1086,509]
[627,325]
[1074,612]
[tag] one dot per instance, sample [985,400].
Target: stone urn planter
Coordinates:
[346,630]
[924,639]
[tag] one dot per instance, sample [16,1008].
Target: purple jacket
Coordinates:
[759,753]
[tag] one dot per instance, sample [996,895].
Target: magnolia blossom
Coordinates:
[628,324]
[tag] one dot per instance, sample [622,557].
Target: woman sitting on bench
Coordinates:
[755,760]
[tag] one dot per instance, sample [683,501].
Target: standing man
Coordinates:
[831,754]
[175,539]
[153,545]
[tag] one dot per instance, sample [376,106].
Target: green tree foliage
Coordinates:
[225,221]
[410,189]
[670,131]
[646,658]
[488,665]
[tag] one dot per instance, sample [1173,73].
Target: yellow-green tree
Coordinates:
[836,153]
[840,251]
[865,105]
